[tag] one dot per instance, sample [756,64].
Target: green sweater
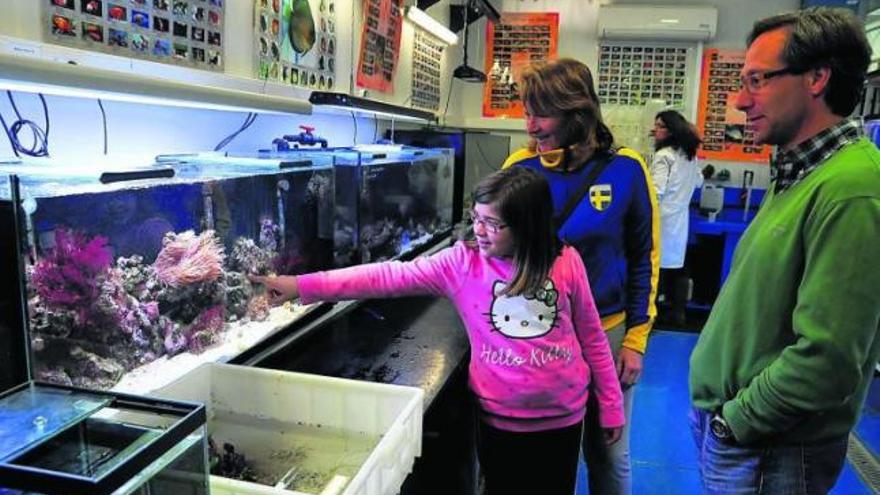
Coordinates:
[791,344]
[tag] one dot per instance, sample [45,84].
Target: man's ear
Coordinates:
[818,80]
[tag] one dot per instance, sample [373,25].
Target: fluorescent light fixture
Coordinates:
[426,22]
[341,102]
[34,75]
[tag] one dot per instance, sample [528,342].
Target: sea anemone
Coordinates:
[187,258]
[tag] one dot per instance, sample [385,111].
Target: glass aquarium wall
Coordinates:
[135,276]
[391,201]
[67,441]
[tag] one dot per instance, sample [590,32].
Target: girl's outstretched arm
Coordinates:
[436,275]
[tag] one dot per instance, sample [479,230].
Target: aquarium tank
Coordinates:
[392,200]
[61,440]
[136,275]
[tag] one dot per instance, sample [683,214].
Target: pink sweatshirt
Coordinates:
[531,358]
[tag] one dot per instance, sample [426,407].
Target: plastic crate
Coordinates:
[281,400]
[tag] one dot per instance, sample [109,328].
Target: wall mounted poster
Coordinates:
[296,42]
[426,71]
[633,73]
[512,44]
[188,33]
[380,44]
[726,135]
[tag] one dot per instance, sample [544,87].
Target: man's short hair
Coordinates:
[825,37]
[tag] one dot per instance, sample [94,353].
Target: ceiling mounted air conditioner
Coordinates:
[657,22]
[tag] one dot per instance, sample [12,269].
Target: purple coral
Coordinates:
[69,276]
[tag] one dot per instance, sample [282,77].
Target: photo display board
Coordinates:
[295,42]
[633,73]
[188,33]
[726,136]
[513,43]
[427,64]
[380,44]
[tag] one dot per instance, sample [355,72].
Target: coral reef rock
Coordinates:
[249,258]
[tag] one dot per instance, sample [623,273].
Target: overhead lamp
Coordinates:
[34,75]
[348,104]
[426,22]
[464,71]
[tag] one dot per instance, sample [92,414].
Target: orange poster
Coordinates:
[380,44]
[512,44]
[723,128]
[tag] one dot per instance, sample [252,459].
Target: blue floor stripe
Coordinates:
[663,454]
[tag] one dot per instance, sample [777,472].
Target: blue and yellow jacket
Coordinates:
[616,228]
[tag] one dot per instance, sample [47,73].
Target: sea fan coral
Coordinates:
[187,258]
[69,277]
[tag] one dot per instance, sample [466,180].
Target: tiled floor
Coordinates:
[664,458]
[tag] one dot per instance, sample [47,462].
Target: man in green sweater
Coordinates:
[782,367]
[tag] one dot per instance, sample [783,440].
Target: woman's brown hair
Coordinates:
[564,88]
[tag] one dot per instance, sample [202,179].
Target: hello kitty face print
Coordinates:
[524,317]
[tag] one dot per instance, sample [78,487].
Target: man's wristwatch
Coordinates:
[721,429]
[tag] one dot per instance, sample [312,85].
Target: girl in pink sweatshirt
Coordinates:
[536,339]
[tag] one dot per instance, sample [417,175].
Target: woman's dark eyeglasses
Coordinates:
[491,225]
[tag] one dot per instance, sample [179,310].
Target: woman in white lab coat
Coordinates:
[675,173]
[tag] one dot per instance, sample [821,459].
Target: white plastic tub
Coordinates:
[384,421]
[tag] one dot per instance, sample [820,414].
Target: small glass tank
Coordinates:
[61,440]
[392,200]
[137,275]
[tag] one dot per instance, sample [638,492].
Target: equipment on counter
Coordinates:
[712,200]
[304,138]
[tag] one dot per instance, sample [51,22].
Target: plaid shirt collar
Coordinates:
[787,168]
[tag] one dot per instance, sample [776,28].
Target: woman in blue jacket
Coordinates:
[612,220]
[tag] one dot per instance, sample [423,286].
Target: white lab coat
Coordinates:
[675,178]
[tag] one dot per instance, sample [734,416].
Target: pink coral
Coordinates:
[69,276]
[188,258]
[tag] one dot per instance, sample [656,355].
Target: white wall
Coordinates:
[578,39]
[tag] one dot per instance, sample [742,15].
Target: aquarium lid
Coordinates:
[33,414]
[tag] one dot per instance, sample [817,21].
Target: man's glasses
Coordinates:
[489,224]
[754,81]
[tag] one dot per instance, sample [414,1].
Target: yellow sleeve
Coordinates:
[637,337]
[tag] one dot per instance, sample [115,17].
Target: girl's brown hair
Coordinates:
[522,199]
[564,88]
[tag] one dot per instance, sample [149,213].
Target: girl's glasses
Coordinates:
[491,225]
